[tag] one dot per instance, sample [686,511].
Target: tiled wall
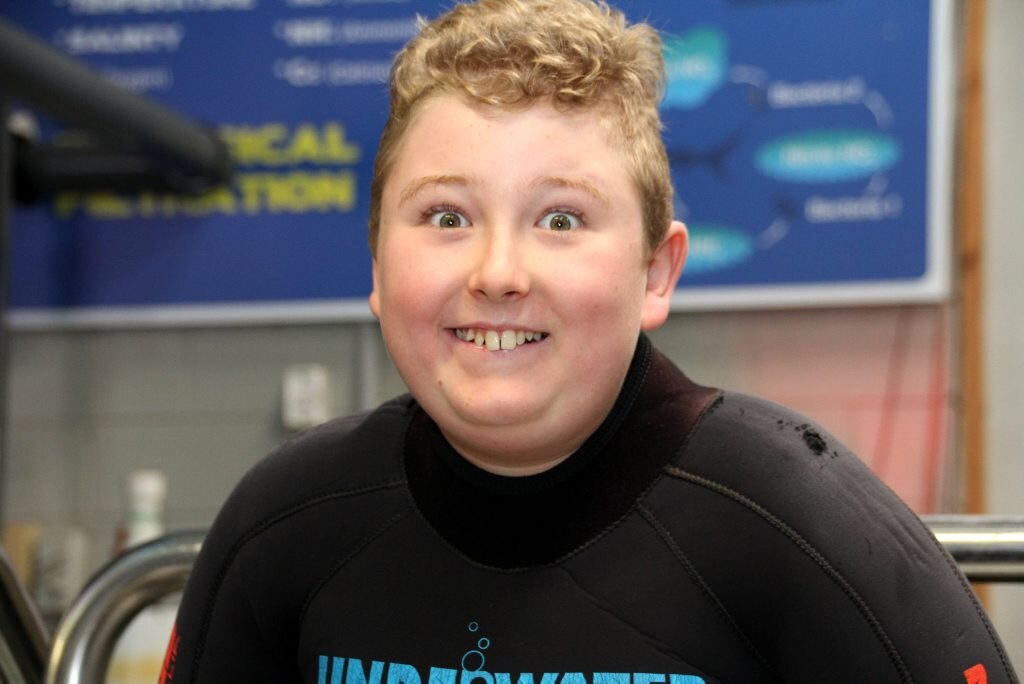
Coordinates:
[87,408]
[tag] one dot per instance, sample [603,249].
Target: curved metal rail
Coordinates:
[85,637]
[987,548]
[25,641]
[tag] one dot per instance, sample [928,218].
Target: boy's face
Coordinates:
[498,225]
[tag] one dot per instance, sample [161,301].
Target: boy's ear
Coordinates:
[663,271]
[374,293]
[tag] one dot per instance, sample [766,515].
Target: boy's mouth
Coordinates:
[499,340]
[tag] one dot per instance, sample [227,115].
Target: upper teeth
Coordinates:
[498,339]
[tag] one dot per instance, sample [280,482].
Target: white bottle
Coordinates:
[147,494]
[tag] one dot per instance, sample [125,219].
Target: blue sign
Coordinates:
[809,144]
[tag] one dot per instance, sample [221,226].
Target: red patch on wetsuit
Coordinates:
[976,675]
[167,672]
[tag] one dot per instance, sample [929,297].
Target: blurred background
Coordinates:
[850,172]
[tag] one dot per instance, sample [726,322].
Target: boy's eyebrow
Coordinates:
[579,184]
[421,184]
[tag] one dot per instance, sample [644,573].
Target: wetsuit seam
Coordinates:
[951,564]
[361,546]
[609,610]
[695,575]
[813,553]
[528,568]
[714,401]
[252,533]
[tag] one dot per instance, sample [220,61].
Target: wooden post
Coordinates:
[970,218]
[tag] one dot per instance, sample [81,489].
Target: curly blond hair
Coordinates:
[576,54]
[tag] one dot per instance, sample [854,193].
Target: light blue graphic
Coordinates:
[400,673]
[696,64]
[355,674]
[442,675]
[611,678]
[526,678]
[714,248]
[473,654]
[334,670]
[476,677]
[472,667]
[336,666]
[648,677]
[827,156]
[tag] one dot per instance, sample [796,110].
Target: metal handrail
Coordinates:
[85,638]
[987,548]
[29,635]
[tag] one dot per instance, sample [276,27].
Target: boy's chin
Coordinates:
[489,425]
[516,436]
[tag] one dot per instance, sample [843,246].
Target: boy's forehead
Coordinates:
[523,117]
[597,115]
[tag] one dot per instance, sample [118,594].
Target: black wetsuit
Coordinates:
[697,536]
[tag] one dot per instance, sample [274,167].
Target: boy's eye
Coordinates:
[447,219]
[560,221]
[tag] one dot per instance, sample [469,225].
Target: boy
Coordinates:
[556,502]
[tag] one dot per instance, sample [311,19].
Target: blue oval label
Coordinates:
[696,65]
[713,248]
[827,156]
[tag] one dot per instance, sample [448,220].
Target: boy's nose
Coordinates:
[499,273]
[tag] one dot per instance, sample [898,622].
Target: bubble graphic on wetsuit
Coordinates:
[473,660]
